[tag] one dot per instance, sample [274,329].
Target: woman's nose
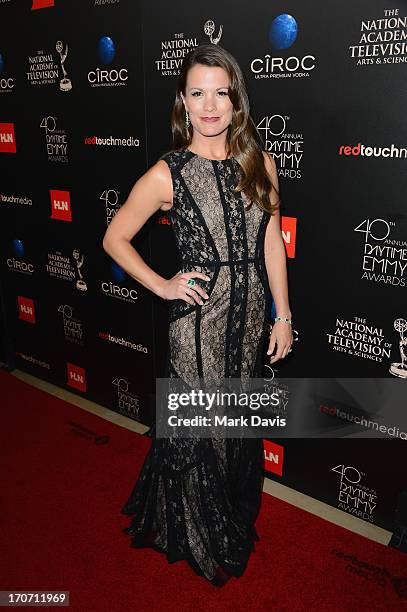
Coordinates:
[209,104]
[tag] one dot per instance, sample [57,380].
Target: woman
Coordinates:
[198,499]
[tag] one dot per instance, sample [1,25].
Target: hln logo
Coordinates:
[60,205]
[273,457]
[289,233]
[40,4]
[26,311]
[76,376]
[7,138]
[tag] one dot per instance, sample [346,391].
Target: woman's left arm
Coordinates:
[275,259]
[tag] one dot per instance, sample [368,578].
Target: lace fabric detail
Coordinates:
[201,497]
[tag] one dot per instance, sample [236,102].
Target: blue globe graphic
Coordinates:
[1,63]
[118,273]
[283,31]
[106,49]
[18,248]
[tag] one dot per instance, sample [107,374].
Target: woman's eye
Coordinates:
[198,93]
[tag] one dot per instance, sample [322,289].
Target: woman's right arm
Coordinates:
[152,191]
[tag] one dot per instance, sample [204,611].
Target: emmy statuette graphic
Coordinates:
[80,283]
[400,369]
[65,83]
[209,29]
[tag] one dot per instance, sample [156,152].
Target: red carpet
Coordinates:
[62,490]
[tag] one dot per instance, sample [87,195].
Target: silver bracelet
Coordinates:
[286,319]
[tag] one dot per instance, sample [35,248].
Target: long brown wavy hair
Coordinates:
[243,141]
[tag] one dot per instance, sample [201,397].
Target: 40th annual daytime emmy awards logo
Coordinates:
[56,140]
[112,203]
[174,50]
[355,497]
[72,326]
[127,402]
[285,145]
[384,258]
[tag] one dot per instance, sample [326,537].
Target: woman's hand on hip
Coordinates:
[177,288]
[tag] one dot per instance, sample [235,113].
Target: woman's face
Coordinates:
[207,100]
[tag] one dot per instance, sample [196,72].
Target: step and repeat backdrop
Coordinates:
[86,92]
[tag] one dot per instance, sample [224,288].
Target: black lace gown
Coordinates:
[198,499]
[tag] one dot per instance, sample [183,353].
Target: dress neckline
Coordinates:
[208,158]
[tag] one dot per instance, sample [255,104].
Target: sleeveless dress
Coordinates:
[198,499]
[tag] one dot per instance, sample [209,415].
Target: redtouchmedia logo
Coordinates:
[362,150]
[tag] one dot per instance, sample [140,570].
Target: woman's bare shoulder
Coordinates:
[160,174]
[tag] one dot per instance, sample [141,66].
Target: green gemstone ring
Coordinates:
[191,282]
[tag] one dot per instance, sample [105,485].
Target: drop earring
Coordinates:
[187,121]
